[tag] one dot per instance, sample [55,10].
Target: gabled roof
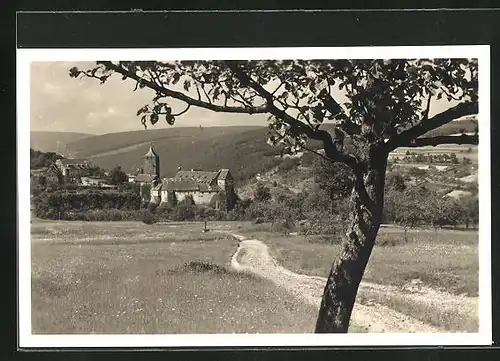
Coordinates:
[53,169]
[145,177]
[197,175]
[182,185]
[195,180]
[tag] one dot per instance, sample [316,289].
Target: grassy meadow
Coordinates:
[128,277]
[443,259]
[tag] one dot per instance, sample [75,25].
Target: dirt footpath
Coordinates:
[253,256]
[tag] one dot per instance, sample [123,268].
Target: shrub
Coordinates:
[288,164]
[55,201]
[283,226]
[151,207]
[165,210]
[234,216]
[145,191]
[149,218]
[204,213]
[262,193]
[184,212]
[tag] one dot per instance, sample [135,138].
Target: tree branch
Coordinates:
[405,137]
[181,96]
[450,95]
[317,153]
[182,112]
[444,139]
[297,127]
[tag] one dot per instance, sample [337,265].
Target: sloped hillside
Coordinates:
[54,141]
[465,125]
[243,149]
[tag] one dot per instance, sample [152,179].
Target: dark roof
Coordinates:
[53,169]
[188,185]
[197,175]
[145,177]
[175,184]
[75,161]
[195,180]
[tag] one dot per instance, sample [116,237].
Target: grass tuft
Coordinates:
[199,267]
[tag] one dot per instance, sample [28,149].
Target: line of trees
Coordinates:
[40,159]
[72,202]
[416,206]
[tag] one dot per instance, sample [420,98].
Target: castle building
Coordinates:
[215,189]
[150,172]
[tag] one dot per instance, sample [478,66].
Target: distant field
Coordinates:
[461,151]
[445,259]
[127,277]
[465,125]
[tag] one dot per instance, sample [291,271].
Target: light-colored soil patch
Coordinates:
[253,255]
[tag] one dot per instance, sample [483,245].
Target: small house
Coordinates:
[53,175]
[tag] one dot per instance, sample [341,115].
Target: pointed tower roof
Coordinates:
[151,153]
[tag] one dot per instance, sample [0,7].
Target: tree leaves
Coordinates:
[74,72]
[144,109]
[153,118]
[389,93]
[175,78]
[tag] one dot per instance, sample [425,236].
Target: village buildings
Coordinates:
[72,169]
[212,188]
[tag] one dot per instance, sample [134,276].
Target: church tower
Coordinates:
[151,162]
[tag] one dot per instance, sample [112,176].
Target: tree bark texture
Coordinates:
[367,199]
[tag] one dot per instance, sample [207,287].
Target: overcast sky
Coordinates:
[61,103]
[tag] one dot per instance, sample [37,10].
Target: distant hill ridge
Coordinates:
[50,141]
[243,149]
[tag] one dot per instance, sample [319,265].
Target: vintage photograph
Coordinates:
[335,195]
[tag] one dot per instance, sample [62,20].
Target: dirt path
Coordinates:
[253,255]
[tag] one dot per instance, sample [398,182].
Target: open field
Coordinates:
[127,277]
[446,259]
[432,279]
[461,151]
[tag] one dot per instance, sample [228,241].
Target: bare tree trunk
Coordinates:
[341,288]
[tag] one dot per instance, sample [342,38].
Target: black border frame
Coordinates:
[253,28]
